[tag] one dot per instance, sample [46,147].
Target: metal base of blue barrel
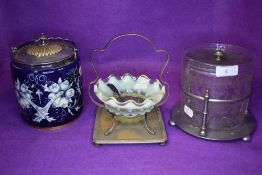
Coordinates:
[244,131]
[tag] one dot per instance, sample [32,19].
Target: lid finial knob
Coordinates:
[43,38]
[44,47]
[218,55]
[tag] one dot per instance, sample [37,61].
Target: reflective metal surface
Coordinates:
[216,87]
[44,53]
[131,133]
[243,131]
[124,129]
[110,42]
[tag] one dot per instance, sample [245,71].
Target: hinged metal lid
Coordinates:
[44,51]
[219,54]
[208,57]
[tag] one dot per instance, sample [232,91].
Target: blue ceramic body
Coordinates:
[49,97]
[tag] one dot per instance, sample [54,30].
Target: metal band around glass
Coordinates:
[216,100]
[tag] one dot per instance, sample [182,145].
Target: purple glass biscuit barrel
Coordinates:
[47,80]
[216,86]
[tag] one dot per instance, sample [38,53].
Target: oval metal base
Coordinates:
[243,132]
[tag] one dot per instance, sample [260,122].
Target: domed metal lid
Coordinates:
[219,54]
[44,51]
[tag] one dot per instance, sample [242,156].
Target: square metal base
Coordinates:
[243,131]
[129,133]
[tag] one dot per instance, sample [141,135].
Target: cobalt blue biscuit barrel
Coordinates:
[47,80]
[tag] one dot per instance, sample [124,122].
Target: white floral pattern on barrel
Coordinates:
[60,96]
[152,92]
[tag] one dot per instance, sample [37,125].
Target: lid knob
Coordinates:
[42,48]
[218,55]
[43,38]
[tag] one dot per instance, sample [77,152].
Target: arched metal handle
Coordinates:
[167,56]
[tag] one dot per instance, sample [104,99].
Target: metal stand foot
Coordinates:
[247,138]
[96,145]
[147,127]
[109,131]
[203,132]
[172,122]
[163,143]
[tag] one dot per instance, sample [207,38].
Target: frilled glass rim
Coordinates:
[146,100]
